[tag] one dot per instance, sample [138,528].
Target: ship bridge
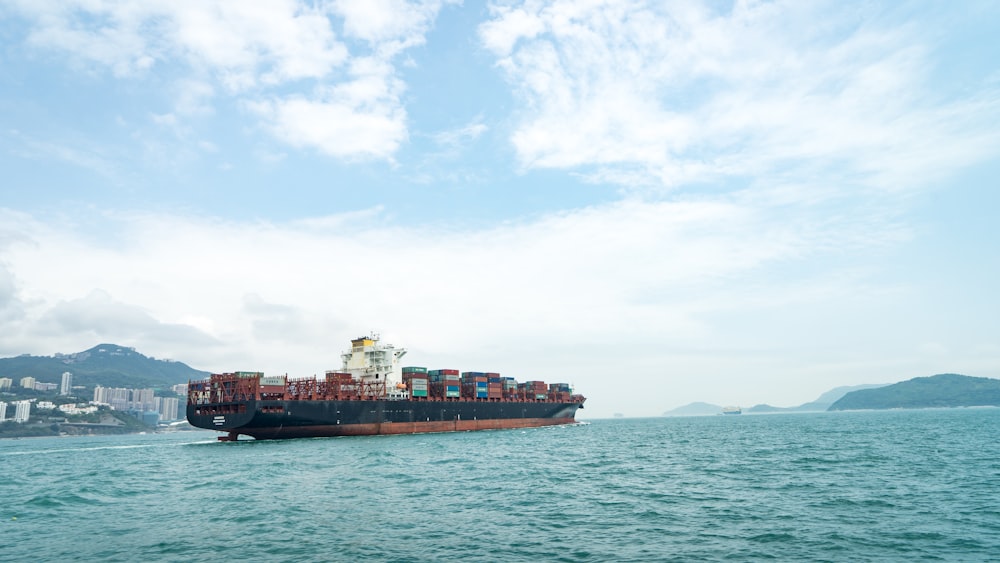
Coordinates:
[373,362]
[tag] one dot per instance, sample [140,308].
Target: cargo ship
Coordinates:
[373,394]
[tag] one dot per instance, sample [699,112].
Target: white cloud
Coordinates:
[281,58]
[193,98]
[357,118]
[273,41]
[75,151]
[100,317]
[244,43]
[566,296]
[392,25]
[676,93]
[455,138]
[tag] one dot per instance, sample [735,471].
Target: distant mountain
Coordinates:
[695,409]
[109,365]
[834,395]
[821,404]
[943,390]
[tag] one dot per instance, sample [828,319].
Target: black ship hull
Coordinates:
[278,419]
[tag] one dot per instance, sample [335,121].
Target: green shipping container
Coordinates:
[419,392]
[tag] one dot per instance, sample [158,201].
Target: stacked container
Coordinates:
[341,384]
[494,386]
[415,379]
[445,383]
[509,385]
[534,390]
[559,392]
[474,385]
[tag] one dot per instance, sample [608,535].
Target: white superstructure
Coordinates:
[372,362]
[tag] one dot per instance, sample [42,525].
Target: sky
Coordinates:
[657,202]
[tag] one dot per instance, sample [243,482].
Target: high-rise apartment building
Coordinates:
[5,383]
[168,407]
[22,411]
[143,400]
[116,397]
[28,382]
[67,383]
[3,411]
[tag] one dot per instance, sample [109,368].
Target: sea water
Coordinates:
[858,486]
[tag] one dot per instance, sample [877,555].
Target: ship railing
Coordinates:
[222,388]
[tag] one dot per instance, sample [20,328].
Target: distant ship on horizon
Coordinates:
[732,410]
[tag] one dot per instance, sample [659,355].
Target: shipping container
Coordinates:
[273,380]
[339,376]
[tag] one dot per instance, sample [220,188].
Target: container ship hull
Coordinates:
[264,420]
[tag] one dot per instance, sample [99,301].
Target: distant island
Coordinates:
[942,390]
[822,403]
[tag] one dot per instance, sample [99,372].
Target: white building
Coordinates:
[67,383]
[28,382]
[6,383]
[22,411]
[3,411]
[115,397]
[77,409]
[143,400]
[168,407]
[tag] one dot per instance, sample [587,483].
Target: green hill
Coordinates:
[943,390]
[109,365]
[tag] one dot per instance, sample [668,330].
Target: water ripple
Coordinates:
[835,487]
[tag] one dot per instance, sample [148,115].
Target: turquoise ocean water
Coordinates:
[862,486]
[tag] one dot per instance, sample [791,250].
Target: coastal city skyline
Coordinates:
[141,401]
